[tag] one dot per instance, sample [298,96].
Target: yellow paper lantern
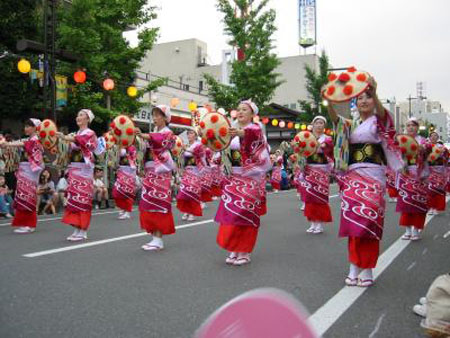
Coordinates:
[174,102]
[303,127]
[192,106]
[132,91]
[274,122]
[24,66]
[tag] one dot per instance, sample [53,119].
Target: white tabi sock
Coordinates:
[354,271]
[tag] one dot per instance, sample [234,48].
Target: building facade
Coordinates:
[185,62]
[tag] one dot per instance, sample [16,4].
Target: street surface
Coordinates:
[109,287]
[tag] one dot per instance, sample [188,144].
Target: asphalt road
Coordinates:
[115,289]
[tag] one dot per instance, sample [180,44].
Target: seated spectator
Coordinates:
[100,190]
[61,187]
[45,193]
[5,198]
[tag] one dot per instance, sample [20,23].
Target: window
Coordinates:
[293,106]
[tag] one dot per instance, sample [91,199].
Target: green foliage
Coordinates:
[253,77]
[18,97]
[314,83]
[91,29]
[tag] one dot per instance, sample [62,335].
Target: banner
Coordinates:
[61,90]
[307,23]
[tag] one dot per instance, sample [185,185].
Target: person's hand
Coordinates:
[236,132]
[137,132]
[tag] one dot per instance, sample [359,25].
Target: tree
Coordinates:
[253,74]
[93,30]
[314,83]
[18,96]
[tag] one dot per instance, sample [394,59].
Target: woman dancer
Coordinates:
[317,179]
[239,209]
[275,179]
[189,195]
[80,190]
[30,167]
[124,190]
[217,175]
[363,147]
[437,180]
[412,200]
[390,185]
[155,206]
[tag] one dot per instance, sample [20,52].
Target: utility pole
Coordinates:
[51,54]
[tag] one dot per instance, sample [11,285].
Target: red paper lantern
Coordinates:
[265,120]
[79,76]
[108,84]
[290,125]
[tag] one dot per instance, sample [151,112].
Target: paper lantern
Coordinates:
[290,125]
[297,126]
[282,124]
[192,106]
[274,122]
[79,76]
[24,66]
[265,120]
[132,91]
[108,84]
[303,127]
[174,102]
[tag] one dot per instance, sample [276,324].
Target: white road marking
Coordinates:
[47,219]
[104,241]
[335,307]
[413,264]
[424,251]
[377,326]
[435,237]
[447,234]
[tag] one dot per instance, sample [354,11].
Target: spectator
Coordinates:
[46,192]
[61,187]
[5,198]
[100,189]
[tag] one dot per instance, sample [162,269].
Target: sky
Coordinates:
[400,42]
